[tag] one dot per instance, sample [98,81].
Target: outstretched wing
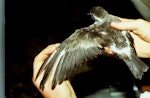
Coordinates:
[80,47]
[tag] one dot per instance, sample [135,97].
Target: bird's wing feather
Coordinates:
[75,50]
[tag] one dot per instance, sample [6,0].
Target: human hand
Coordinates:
[140,31]
[63,90]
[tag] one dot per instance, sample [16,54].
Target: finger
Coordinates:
[40,58]
[125,19]
[125,25]
[120,18]
[46,52]
[138,43]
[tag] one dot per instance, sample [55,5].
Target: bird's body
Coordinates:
[89,42]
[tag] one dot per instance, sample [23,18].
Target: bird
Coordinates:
[88,43]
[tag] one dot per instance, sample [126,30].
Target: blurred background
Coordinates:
[31,25]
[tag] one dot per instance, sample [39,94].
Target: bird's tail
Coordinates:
[136,66]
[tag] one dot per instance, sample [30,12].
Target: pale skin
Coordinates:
[140,31]
[64,90]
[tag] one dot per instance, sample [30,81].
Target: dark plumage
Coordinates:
[86,44]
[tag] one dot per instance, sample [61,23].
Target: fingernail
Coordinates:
[114,23]
[57,44]
[53,45]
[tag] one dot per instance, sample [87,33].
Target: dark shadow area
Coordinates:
[31,25]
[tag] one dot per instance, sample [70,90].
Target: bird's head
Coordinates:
[98,14]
